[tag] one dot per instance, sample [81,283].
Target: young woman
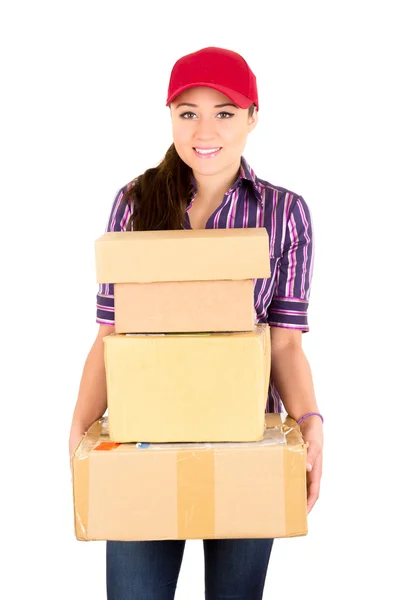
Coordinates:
[205,182]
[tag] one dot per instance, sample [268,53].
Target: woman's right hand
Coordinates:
[92,400]
[75,436]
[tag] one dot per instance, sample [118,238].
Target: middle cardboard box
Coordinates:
[209,387]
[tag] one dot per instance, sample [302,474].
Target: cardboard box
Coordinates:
[191,491]
[187,387]
[182,255]
[184,306]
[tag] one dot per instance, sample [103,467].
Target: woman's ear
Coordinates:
[253,120]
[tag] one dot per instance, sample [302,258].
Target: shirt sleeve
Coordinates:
[118,219]
[288,307]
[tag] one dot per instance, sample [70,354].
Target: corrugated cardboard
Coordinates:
[187,387]
[191,491]
[187,306]
[182,255]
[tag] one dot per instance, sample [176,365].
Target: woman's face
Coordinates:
[200,122]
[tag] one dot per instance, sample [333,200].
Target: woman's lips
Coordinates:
[205,154]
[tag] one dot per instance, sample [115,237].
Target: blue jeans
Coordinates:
[235,569]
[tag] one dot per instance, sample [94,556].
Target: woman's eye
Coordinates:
[186,115]
[228,115]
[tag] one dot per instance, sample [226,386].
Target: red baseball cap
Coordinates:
[217,68]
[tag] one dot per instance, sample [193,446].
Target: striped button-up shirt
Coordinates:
[282,299]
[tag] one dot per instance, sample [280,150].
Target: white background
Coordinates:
[83,112]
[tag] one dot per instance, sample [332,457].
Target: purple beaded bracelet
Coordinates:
[310,415]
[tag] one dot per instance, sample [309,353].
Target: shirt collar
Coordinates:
[247,174]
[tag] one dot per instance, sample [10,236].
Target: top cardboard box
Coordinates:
[182,255]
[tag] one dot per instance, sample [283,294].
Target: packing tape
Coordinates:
[81,473]
[196,494]
[81,478]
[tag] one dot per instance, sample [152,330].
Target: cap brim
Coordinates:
[238,99]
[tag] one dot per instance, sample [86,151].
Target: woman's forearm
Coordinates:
[291,374]
[92,397]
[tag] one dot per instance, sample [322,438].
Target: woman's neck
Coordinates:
[212,188]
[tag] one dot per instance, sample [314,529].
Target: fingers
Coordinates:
[313,483]
[314,461]
[312,453]
[313,494]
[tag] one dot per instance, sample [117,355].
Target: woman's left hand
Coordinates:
[312,431]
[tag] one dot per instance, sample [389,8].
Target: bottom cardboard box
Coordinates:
[191,491]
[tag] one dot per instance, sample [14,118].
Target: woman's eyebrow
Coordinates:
[216,105]
[227,104]
[187,104]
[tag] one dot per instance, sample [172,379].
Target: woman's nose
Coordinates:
[205,129]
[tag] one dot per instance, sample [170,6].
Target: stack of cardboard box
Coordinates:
[185,451]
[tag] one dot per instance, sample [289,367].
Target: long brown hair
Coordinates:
[159,196]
